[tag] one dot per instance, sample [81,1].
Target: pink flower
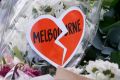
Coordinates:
[32,72]
[4,70]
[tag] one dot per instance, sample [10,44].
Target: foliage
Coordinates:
[106,44]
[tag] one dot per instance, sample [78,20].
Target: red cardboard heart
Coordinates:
[57,40]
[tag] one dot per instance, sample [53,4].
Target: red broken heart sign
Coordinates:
[57,40]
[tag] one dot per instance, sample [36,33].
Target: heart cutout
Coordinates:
[57,40]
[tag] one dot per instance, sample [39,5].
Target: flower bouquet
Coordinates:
[37,36]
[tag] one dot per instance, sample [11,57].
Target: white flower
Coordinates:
[97,76]
[75,70]
[117,74]
[90,67]
[90,76]
[101,76]
[103,70]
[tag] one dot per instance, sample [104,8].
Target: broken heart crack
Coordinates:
[64,31]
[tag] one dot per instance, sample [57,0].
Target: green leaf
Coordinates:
[107,2]
[3,59]
[108,28]
[109,19]
[114,2]
[106,23]
[90,54]
[110,3]
[18,53]
[113,36]
[115,57]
